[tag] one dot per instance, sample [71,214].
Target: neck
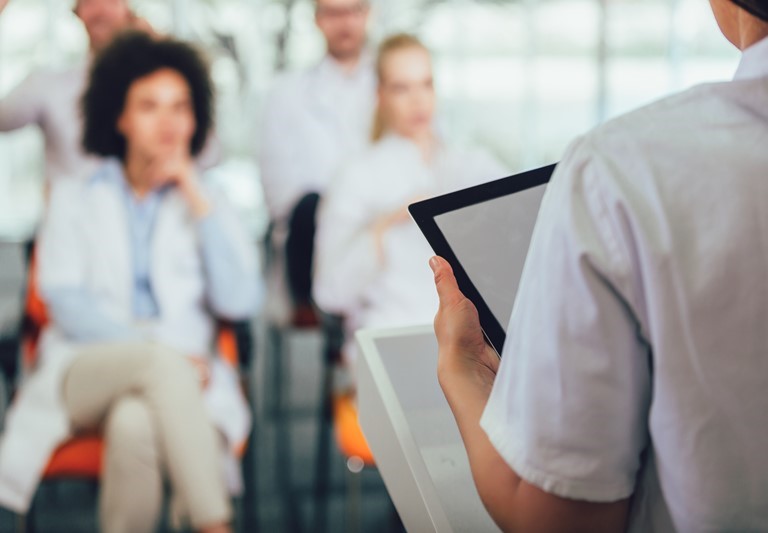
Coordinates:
[426,144]
[135,168]
[751,30]
[94,48]
[347,64]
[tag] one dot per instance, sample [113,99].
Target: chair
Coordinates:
[336,413]
[352,444]
[81,456]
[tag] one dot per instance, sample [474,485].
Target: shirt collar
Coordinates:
[406,145]
[331,66]
[111,172]
[754,62]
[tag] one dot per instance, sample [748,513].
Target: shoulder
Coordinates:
[45,77]
[212,184]
[475,162]
[360,175]
[102,178]
[47,86]
[669,124]
[658,141]
[286,81]
[67,198]
[67,188]
[381,159]
[290,85]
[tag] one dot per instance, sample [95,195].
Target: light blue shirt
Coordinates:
[79,313]
[141,213]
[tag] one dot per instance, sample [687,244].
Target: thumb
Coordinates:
[445,282]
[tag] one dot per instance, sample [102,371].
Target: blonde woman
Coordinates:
[370,256]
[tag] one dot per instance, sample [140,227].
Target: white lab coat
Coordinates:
[51,99]
[313,120]
[37,422]
[350,279]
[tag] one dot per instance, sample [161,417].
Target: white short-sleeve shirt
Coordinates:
[636,359]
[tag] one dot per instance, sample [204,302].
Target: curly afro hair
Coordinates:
[129,57]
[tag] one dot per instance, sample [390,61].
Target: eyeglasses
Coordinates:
[355,10]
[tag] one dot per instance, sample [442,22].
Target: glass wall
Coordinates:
[519,77]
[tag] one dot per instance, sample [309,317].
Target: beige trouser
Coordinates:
[149,403]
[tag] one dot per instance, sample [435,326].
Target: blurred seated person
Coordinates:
[370,255]
[135,264]
[312,121]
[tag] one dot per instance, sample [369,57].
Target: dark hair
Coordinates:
[129,57]
[758,8]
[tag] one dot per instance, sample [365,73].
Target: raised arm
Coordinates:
[21,106]
[24,104]
[234,287]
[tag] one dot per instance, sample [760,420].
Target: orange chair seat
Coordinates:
[349,435]
[78,457]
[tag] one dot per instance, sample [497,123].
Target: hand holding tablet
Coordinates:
[484,233]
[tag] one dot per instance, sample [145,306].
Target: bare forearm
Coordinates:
[467,369]
[196,199]
[467,392]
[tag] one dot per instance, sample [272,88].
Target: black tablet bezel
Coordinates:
[424,214]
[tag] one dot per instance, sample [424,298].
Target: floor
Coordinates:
[284,448]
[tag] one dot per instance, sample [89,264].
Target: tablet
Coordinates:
[484,233]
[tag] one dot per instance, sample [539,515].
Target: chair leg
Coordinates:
[355,467]
[281,384]
[249,509]
[323,451]
[332,343]
[274,383]
[249,501]
[24,522]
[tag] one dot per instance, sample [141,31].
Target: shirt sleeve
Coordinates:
[346,261]
[234,288]
[77,313]
[569,407]
[23,105]
[63,270]
[282,157]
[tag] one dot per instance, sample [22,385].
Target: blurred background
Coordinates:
[520,78]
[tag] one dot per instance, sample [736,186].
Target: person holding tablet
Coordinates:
[632,389]
[370,262]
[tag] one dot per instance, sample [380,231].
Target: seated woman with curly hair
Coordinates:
[135,261]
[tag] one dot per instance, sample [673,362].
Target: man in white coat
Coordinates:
[57,112]
[313,120]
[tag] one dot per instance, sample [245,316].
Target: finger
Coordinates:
[445,282]
[403,215]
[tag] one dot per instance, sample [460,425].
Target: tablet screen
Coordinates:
[490,239]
